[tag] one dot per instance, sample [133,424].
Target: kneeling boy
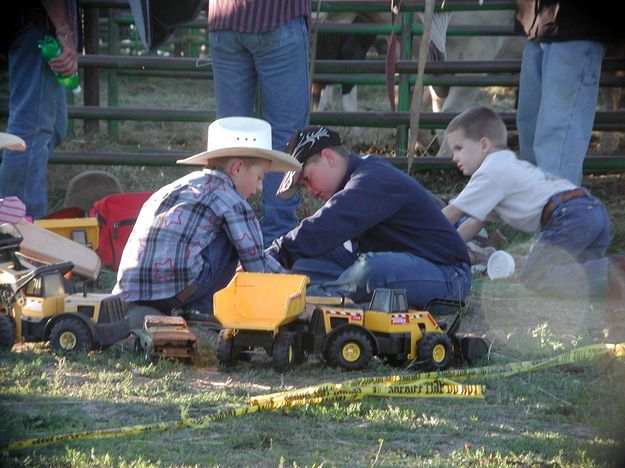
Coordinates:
[379,228]
[191,234]
[574,228]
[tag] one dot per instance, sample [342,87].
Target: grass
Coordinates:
[560,417]
[567,416]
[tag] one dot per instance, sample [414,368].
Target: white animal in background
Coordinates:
[456,48]
[483,48]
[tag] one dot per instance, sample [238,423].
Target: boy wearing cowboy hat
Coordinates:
[190,234]
[379,228]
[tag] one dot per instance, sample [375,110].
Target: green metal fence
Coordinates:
[189,40]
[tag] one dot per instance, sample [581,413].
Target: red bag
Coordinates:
[116,215]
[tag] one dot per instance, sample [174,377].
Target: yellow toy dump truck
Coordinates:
[34,305]
[264,310]
[261,310]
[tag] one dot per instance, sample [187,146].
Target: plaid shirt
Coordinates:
[254,16]
[163,254]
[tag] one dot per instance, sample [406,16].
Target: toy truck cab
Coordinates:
[349,336]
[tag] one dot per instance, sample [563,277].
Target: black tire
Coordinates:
[301,353]
[435,351]
[147,354]
[7,332]
[283,352]
[225,349]
[325,351]
[71,335]
[138,347]
[350,349]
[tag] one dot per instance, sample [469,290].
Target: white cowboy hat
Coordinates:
[242,137]
[12,142]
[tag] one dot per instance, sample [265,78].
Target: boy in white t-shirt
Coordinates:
[574,228]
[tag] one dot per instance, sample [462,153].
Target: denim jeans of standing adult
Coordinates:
[558,91]
[568,258]
[276,64]
[342,273]
[37,114]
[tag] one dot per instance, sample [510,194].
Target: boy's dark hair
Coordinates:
[480,122]
[341,150]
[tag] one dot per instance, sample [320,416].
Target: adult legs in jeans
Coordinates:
[422,280]
[37,114]
[558,91]
[568,259]
[277,63]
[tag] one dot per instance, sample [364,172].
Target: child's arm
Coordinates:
[244,231]
[453,214]
[467,229]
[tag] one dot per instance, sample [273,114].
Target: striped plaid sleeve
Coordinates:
[244,232]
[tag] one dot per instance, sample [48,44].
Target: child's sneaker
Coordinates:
[194,315]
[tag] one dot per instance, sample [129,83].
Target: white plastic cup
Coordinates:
[500,265]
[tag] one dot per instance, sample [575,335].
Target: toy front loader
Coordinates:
[261,310]
[34,305]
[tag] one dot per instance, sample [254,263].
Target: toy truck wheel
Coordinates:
[70,335]
[225,349]
[145,352]
[301,353]
[7,333]
[283,352]
[350,349]
[435,351]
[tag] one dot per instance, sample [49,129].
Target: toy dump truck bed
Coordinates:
[260,301]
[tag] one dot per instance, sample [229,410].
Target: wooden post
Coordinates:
[91,74]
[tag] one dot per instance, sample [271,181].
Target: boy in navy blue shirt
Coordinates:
[378,227]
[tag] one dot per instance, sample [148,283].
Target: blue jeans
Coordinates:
[342,273]
[275,63]
[37,114]
[558,91]
[568,259]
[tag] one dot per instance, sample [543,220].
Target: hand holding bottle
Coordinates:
[65,64]
[62,58]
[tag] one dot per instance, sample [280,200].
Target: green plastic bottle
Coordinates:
[50,48]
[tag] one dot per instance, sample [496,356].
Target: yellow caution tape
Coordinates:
[425,388]
[585,353]
[429,384]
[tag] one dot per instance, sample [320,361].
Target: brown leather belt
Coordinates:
[186,293]
[557,200]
